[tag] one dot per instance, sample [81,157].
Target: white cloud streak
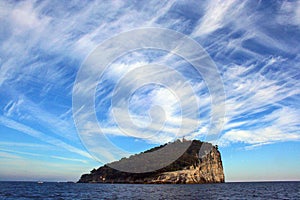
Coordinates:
[41,136]
[33,31]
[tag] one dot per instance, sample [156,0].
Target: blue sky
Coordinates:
[254,44]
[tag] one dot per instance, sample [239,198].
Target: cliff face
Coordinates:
[196,165]
[209,170]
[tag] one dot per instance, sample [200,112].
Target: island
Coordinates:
[200,163]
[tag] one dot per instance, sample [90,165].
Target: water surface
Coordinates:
[50,190]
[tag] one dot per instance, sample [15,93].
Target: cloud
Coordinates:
[69,159]
[23,144]
[19,168]
[41,136]
[40,42]
[9,155]
[253,88]
[20,152]
[24,109]
[289,13]
[256,112]
[43,44]
[260,69]
[215,16]
[172,96]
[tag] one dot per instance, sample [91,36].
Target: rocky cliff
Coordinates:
[201,163]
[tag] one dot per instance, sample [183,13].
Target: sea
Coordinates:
[245,190]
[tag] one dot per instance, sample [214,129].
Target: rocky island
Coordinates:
[200,163]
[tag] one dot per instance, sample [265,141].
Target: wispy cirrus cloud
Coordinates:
[289,13]
[41,136]
[255,47]
[260,69]
[216,15]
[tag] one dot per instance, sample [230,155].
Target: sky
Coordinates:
[254,46]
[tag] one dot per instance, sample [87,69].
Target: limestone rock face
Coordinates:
[196,165]
[209,170]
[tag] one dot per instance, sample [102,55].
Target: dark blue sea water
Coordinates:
[260,190]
